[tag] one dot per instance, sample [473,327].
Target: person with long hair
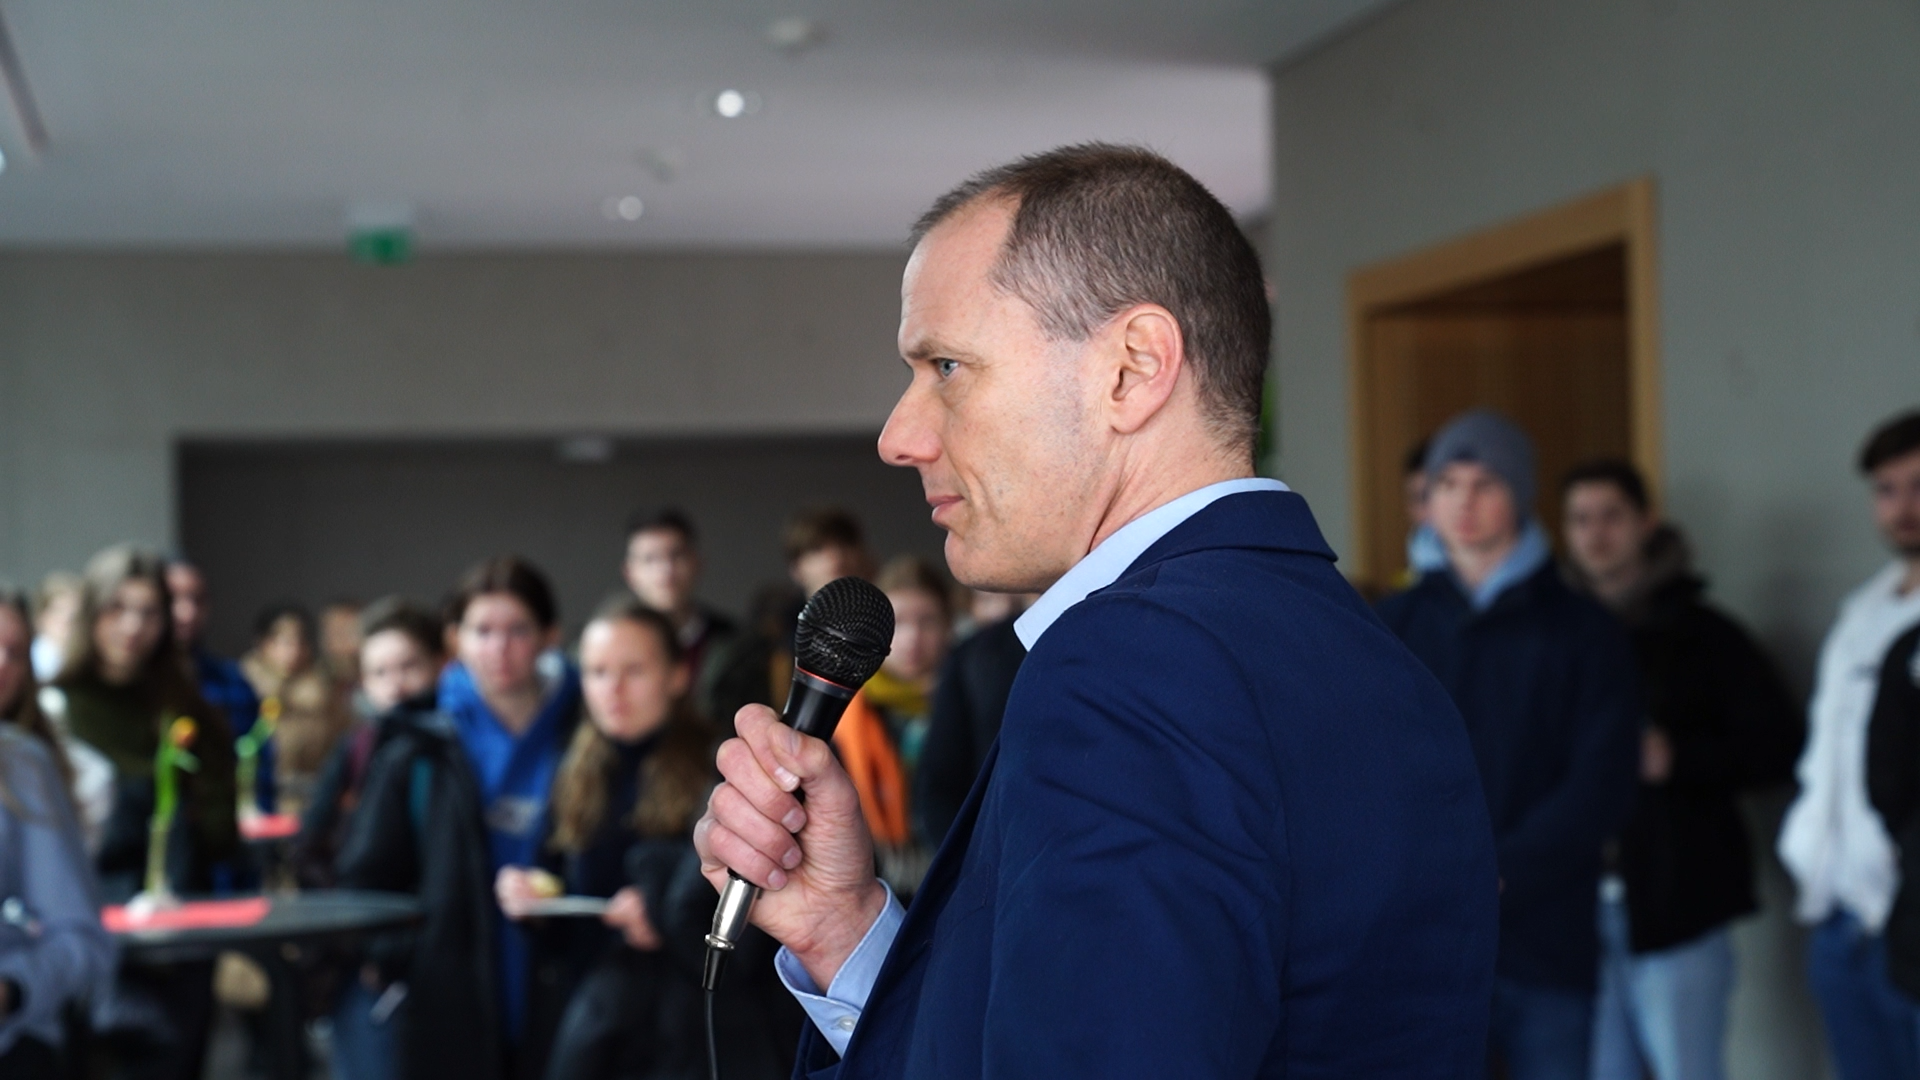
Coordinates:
[632,784]
[52,947]
[309,718]
[124,684]
[514,714]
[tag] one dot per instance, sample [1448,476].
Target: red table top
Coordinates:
[193,915]
[269,827]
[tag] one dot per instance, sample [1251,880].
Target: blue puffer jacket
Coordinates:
[1546,680]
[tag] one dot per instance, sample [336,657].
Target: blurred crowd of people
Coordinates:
[1618,718]
[464,754]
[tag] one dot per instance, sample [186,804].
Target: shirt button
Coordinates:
[846,1023]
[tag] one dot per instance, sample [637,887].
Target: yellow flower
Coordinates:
[270,709]
[182,731]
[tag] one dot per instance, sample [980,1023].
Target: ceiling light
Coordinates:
[623,208]
[3,161]
[733,104]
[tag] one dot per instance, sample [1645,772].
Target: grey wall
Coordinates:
[106,359]
[1785,139]
[314,520]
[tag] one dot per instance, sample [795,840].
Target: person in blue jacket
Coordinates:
[515,704]
[1547,681]
[1230,827]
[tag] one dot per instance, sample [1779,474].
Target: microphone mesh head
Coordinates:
[846,630]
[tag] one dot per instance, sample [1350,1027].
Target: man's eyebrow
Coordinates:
[928,348]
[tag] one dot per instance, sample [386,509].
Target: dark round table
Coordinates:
[294,920]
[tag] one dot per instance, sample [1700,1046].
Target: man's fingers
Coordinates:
[743,819]
[749,774]
[743,858]
[788,758]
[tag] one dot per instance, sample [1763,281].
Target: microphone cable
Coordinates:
[713,1042]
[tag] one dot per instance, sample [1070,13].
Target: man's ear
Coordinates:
[1149,355]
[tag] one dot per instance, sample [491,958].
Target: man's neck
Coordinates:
[1473,566]
[517,710]
[1154,488]
[1911,581]
[684,617]
[1614,588]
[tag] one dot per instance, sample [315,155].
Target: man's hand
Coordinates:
[627,913]
[814,861]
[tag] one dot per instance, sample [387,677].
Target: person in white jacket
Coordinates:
[1832,842]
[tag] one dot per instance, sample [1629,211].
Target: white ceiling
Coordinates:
[262,122]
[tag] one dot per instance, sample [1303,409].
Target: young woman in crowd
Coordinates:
[514,715]
[397,809]
[123,686]
[52,947]
[634,781]
[309,717]
[884,730]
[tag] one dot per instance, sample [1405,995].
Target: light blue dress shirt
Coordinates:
[836,1011]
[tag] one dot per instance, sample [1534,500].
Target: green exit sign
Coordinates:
[381,247]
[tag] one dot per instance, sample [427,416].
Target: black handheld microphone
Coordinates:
[845,631]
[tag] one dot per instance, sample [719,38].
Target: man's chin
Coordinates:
[968,567]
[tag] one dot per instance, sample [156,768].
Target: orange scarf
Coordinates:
[868,753]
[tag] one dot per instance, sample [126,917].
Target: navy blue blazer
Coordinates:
[1231,828]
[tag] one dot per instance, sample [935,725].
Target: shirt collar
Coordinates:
[1104,564]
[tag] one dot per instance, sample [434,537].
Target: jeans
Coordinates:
[1541,1032]
[1872,1029]
[1663,1012]
[363,1048]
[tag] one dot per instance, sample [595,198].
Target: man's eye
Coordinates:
[944,368]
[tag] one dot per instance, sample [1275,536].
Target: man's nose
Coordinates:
[908,439]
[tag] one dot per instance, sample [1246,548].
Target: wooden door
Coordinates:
[1548,321]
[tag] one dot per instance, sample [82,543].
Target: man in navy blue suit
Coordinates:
[1231,828]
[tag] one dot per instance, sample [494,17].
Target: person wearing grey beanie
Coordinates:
[1492,440]
[1547,683]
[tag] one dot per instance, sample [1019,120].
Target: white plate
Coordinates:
[594,906]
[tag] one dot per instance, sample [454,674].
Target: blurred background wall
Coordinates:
[112,358]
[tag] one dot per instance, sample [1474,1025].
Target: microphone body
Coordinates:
[814,707]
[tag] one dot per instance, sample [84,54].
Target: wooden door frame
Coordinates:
[1623,214]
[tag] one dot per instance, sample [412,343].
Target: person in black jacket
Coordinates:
[1893,783]
[969,699]
[1545,680]
[397,809]
[620,997]
[1720,722]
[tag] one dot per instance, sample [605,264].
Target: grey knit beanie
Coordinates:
[1494,441]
